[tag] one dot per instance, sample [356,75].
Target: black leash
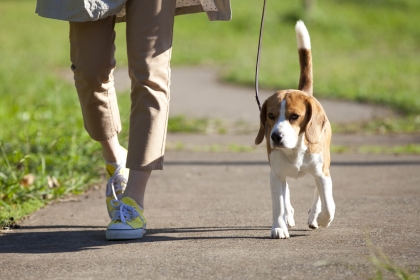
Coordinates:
[258,57]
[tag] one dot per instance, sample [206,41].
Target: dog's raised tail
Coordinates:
[305,58]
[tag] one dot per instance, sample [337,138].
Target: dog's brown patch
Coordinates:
[306,77]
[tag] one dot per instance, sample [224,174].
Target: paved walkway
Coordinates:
[209,216]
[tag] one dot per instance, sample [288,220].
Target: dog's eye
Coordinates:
[294,117]
[271,116]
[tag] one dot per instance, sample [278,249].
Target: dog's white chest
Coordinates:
[293,163]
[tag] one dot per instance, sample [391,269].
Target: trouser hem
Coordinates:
[144,167]
[106,138]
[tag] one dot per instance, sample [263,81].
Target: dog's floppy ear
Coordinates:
[316,122]
[261,132]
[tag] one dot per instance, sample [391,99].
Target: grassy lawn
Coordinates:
[363,51]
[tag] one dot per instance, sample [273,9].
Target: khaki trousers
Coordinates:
[149,42]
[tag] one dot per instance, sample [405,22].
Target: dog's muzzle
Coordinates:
[276,139]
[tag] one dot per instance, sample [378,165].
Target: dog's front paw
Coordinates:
[324,219]
[279,233]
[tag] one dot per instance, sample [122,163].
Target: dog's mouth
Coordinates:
[282,145]
[277,146]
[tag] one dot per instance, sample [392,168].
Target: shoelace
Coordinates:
[115,183]
[124,212]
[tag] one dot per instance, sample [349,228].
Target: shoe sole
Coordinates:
[122,234]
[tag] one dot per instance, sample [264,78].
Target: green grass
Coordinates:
[41,131]
[183,124]
[407,124]
[363,50]
[383,266]
[410,149]
[44,140]
[386,268]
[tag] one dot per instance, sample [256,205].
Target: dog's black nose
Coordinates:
[276,137]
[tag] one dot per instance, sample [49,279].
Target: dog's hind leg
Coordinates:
[289,209]
[314,210]
[278,196]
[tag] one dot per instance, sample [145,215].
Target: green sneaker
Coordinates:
[117,176]
[128,221]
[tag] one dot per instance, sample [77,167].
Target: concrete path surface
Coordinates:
[209,217]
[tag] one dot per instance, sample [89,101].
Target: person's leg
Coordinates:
[136,186]
[111,150]
[93,62]
[149,43]
[92,55]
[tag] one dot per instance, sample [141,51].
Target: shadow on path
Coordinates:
[91,238]
[256,162]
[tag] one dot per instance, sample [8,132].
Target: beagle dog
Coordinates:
[298,137]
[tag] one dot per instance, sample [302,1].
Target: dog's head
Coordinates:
[286,115]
